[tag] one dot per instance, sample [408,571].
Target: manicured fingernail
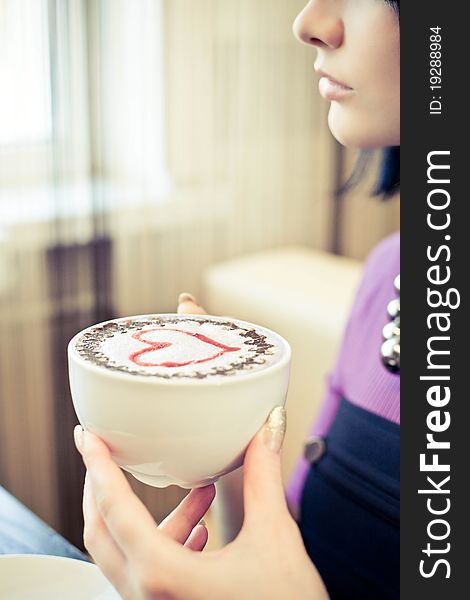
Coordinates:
[275,429]
[186,297]
[203,523]
[78,437]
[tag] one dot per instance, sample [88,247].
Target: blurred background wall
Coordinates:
[140,143]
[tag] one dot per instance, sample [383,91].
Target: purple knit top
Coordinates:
[359,375]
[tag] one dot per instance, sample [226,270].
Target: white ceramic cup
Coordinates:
[181,431]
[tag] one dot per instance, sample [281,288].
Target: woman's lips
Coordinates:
[331,89]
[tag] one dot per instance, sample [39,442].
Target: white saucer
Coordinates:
[38,577]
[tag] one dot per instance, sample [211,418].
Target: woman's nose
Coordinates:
[320,24]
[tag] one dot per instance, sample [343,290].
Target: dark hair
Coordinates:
[389,175]
[388,181]
[395,4]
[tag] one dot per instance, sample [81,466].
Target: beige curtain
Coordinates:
[250,159]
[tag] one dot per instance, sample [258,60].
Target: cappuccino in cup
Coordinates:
[177,397]
[178,347]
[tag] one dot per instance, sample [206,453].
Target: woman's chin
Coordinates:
[353,132]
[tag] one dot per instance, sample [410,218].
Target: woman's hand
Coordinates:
[183,525]
[142,561]
[266,560]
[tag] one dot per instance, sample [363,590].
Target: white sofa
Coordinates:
[304,295]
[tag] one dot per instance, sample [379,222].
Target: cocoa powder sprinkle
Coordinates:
[89,343]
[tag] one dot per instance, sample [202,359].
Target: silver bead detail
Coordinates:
[396,284]
[390,352]
[390,349]
[391,330]
[393,308]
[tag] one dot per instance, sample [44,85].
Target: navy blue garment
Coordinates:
[350,507]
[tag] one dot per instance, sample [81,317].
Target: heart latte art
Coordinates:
[175,347]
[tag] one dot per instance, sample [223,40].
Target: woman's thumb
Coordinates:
[262,483]
[187,305]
